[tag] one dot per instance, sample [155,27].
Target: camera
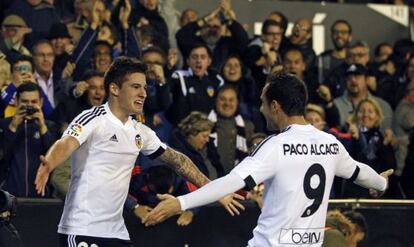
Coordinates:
[8,202]
[23,68]
[30,110]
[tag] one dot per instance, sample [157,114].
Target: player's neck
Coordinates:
[117,111]
[284,123]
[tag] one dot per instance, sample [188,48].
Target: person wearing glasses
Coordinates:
[263,53]
[341,36]
[301,39]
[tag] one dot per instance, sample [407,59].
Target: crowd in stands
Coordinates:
[205,75]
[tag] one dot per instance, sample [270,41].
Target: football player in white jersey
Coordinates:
[103,143]
[297,166]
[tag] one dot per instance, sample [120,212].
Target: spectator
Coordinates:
[360,230]
[44,59]
[394,88]
[378,152]
[13,31]
[234,73]
[191,138]
[294,63]
[62,46]
[187,16]
[407,181]
[91,93]
[25,137]
[382,52]
[158,93]
[22,70]
[100,42]
[211,34]
[83,11]
[231,131]
[147,36]
[262,54]
[279,17]
[40,16]
[403,122]
[5,77]
[145,13]
[341,36]
[194,89]
[301,39]
[157,179]
[338,229]
[356,53]
[356,91]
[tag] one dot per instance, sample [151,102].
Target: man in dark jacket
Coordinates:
[210,28]
[24,137]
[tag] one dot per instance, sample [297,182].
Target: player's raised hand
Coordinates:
[231,204]
[377,193]
[167,207]
[42,176]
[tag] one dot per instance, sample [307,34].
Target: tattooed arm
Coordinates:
[187,169]
[184,166]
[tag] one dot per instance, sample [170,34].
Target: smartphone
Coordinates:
[222,17]
[23,68]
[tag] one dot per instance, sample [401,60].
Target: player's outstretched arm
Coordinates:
[207,194]
[187,169]
[59,152]
[167,207]
[378,193]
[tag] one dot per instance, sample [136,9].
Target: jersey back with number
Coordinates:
[298,167]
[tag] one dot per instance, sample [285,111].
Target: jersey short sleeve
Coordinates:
[152,146]
[261,165]
[84,124]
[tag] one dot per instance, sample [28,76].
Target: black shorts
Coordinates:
[86,241]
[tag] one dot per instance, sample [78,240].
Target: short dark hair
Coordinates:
[269,23]
[228,86]
[161,178]
[201,45]
[283,21]
[294,49]
[155,49]
[40,42]
[358,219]
[103,43]
[92,73]
[343,22]
[28,87]
[289,91]
[120,68]
[235,56]
[22,58]
[379,46]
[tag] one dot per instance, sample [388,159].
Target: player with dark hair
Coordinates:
[297,166]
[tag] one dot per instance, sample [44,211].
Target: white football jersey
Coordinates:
[101,171]
[298,167]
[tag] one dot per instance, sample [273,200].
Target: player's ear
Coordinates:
[275,106]
[114,89]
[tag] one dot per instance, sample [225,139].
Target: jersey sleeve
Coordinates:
[152,145]
[261,165]
[82,126]
[346,167]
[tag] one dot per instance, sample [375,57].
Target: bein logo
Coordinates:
[301,236]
